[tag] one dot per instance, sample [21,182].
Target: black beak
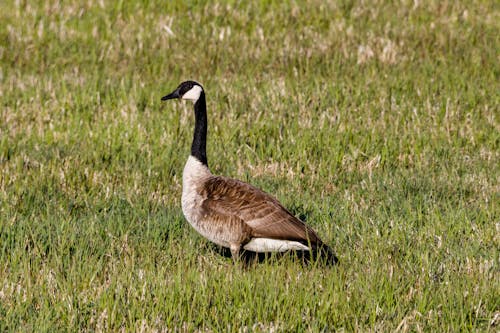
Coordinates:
[172,95]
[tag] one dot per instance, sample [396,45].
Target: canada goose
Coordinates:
[231,213]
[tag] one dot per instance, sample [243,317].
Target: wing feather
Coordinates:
[259,210]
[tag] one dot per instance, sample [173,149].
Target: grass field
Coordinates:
[375,122]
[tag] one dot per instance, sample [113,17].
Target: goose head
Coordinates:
[188,90]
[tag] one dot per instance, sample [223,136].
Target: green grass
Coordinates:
[375,122]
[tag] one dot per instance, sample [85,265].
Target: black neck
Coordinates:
[199,146]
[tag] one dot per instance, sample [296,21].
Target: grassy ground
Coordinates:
[375,122]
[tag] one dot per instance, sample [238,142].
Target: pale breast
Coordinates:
[202,223]
[194,176]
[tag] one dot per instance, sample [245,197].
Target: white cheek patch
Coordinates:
[193,94]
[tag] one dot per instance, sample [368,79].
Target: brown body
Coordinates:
[238,215]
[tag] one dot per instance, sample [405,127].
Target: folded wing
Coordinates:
[261,212]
